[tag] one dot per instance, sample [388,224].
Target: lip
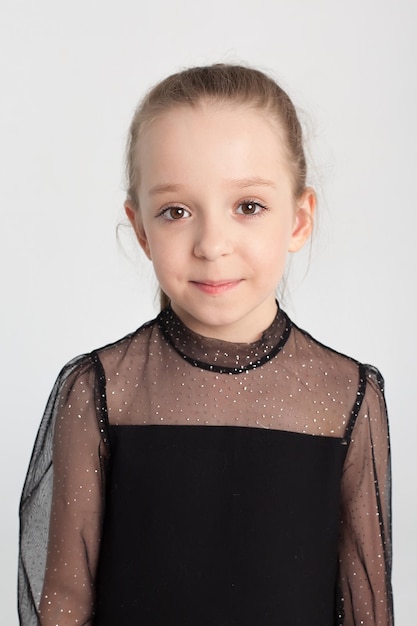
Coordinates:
[216,287]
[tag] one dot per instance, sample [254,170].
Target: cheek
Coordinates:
[273,248]
[167,258]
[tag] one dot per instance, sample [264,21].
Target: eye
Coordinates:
[250,207]
[173,213]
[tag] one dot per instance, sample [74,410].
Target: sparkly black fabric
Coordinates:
[183,480]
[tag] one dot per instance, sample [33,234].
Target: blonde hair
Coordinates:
[222,83]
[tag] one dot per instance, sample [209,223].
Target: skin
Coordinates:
[217,215]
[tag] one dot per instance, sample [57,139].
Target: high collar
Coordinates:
[222,356]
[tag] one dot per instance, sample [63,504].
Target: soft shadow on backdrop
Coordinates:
[70,77]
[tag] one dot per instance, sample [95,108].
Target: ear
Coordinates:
[135,219]
[304,219]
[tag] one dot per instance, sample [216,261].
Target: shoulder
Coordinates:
[131,348]
[339,375]
[329,356]
[112,351]
[321,356]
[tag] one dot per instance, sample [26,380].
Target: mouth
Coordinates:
[215,287]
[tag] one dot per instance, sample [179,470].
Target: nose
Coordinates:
[213,239]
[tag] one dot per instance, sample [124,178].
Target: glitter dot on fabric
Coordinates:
[172,467]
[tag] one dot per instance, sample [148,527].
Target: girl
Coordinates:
[219,466]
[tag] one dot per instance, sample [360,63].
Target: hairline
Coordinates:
[271,116]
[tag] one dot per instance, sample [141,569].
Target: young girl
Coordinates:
[218,466]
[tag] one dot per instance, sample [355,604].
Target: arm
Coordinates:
[62,508]
[365,537]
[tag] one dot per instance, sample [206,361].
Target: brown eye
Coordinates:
[249,208]
[175,213]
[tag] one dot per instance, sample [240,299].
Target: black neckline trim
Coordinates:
[167,314]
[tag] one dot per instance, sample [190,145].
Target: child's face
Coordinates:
[218,216]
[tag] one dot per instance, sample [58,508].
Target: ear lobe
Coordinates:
[304,220]
[137,225]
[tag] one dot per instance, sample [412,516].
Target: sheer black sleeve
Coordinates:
[62,502]
[365,540]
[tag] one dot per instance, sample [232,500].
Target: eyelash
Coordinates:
[259,205]
[165,212]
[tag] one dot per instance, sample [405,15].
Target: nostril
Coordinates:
[213,245]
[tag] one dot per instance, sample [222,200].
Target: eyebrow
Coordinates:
[164,187]
[255,181]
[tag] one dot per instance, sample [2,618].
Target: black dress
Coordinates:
[181,480]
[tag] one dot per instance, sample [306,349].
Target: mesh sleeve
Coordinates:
[62,504]
[365,538]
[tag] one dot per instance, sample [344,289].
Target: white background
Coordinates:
[70,76]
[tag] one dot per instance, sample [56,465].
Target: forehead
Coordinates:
[230,132]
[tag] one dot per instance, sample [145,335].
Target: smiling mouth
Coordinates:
[215,287]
